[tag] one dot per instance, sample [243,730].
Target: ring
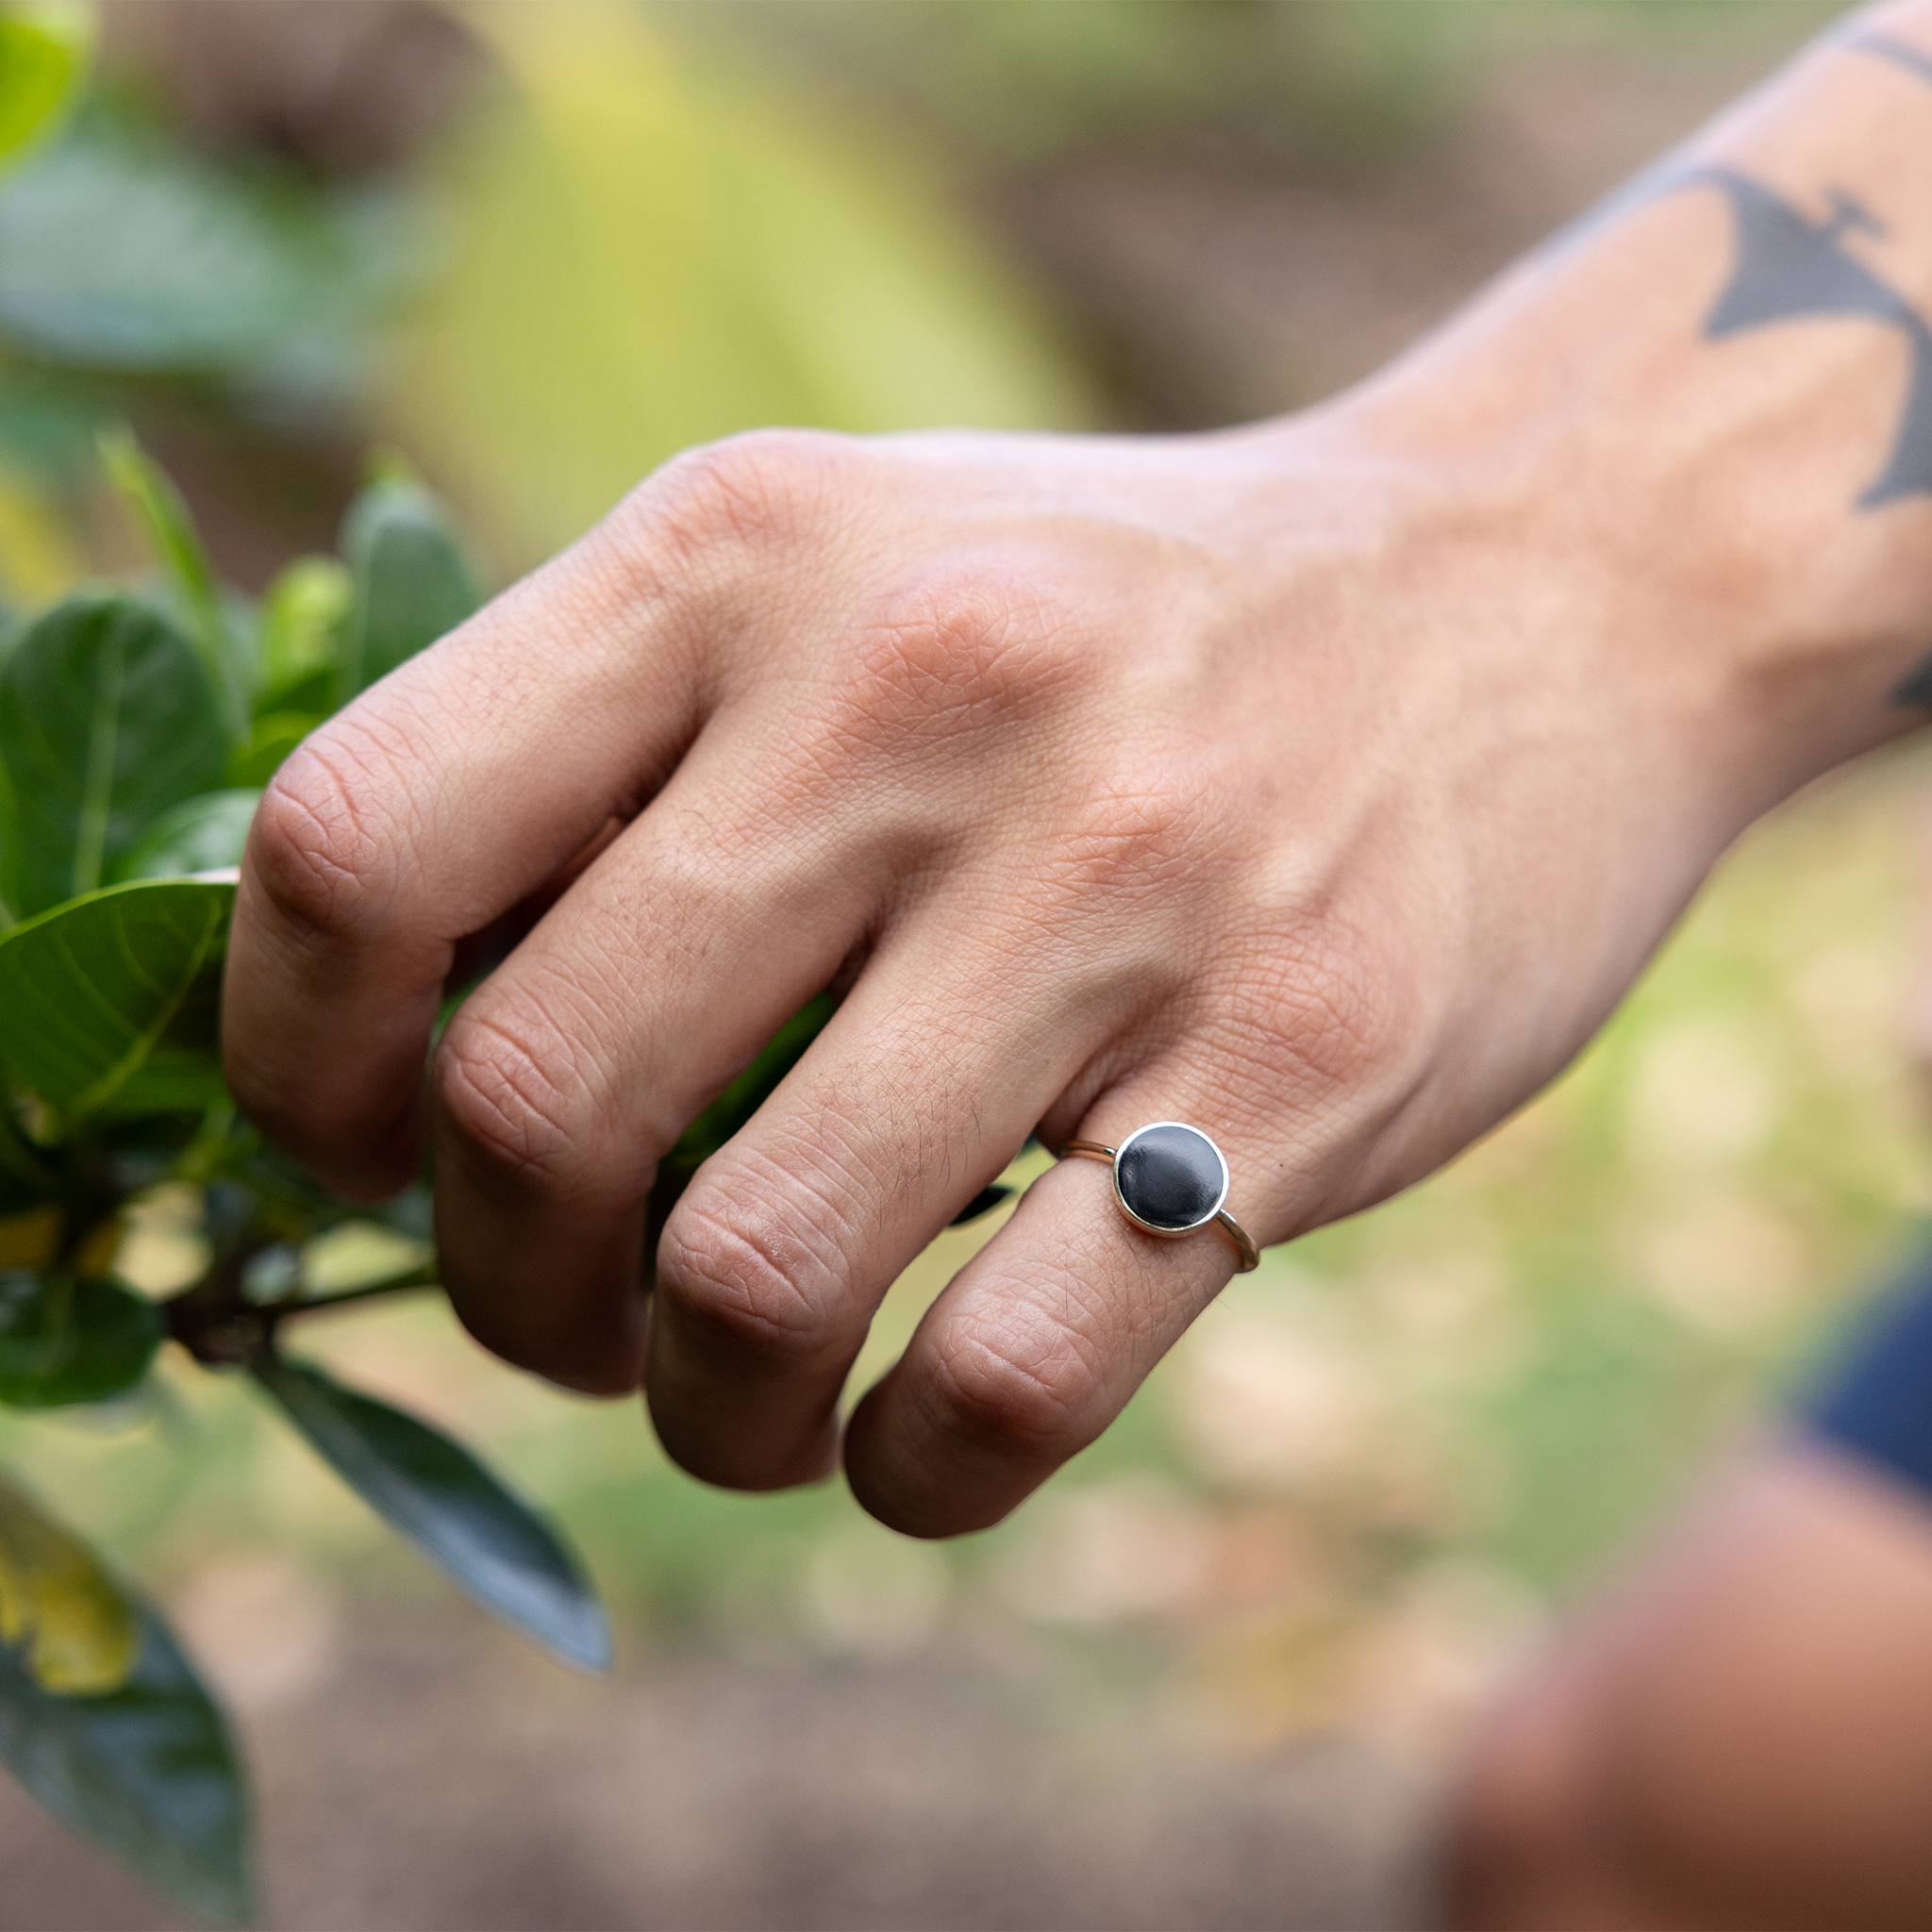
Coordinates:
[1169,1179]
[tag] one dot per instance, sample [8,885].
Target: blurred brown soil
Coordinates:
[444,1777]
[439,1776]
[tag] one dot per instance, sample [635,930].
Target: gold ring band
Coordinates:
[1171,1155]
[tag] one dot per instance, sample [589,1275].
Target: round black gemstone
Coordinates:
[1169,1177]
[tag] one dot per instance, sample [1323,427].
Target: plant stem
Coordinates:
[399,1284]
[221,1327]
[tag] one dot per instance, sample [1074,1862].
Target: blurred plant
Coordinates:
[135,726]
[654,248]
[43,52]
[1333,89]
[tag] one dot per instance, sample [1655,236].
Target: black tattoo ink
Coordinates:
[1790,267]
[1883,47]
[1917,689]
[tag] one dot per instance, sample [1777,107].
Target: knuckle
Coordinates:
[965,645]
[762,487]
[1326,1005]
[321,845]
[506,1089]
[747,1284]
[1019,1389]
[1140,823]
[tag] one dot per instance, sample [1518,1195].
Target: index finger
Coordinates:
[436,802]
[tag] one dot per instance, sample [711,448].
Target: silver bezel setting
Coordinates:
[1169,1234]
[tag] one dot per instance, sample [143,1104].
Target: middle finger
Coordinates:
[572,1071]
[924,1086]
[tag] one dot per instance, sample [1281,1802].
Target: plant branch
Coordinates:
[421,1277]
[216,1323]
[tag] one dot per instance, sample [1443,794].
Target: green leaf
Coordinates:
[146,1767]
[161,515]
[173,1079]
[12,853]
[61,1612]
[122,249]
[90,990]
[753,1086]
[63,1341]
[205,834]
[412,581]
[303,618]
[45,51]
[982,1203]
[107,719]
[273,736]
[494,1548]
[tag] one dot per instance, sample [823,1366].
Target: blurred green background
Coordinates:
[540,247]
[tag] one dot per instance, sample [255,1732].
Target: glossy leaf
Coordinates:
[205,834]
[303,618]
[64,1341]
[174,1078]
[412,582]
[107,720]
[493,1547]
[91,991]
[43,56]
[160,512]
[143,1765]
[61,1613]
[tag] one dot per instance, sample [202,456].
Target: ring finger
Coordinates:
[1037,1343]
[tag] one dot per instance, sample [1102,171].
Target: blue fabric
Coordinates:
[1877,1399]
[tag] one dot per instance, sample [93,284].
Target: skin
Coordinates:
[1324,783]
[1740,1735]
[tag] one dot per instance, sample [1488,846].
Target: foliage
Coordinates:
[44,51]
[103,1719]
[122,252]
[125,714]
[121,715]
[695,253]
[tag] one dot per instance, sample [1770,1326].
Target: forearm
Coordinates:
[1711,401]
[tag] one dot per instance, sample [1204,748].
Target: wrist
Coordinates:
[1696,505]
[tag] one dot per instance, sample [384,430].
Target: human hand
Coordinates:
[1322,783]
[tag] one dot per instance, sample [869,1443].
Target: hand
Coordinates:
[1322,784]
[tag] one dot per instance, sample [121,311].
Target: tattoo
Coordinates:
[1883,47]
[1788,267]
[1917,689]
